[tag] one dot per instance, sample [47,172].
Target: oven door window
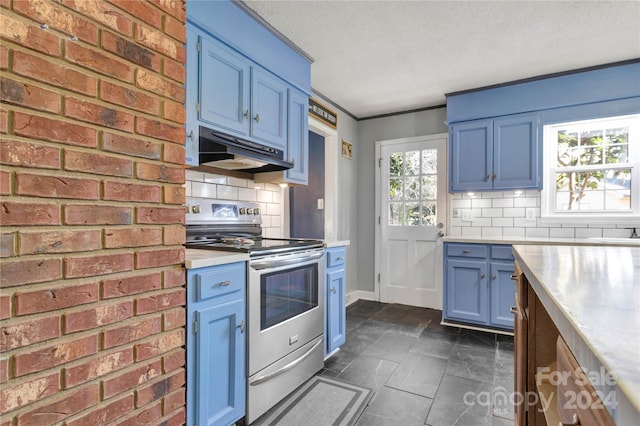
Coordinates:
[286,294]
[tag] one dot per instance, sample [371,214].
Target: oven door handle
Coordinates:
[285,261]
[292,364]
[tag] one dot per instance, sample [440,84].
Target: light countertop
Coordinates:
[195,258]
[593,296]
[631,242]
[336,243]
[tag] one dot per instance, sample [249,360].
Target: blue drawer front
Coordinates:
[336,257]
[219,281]
[467,250]
[502,252]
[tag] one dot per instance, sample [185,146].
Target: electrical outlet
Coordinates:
[456,212]
[531,215]
[466,215]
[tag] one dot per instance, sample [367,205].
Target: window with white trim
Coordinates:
[591,171]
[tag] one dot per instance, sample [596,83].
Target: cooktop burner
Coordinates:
[235,226]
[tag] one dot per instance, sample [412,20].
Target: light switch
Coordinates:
[320,203]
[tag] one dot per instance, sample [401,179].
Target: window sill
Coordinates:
[601,220]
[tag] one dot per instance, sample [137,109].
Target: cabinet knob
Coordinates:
[466,251]
[482,276]
[241,326]
[224,283]
[333,290]
[257,118]
[488,177]
[246,114]
[191,135]
[494,176]
[493,276]
[338,259]
[514,277]
[513,310]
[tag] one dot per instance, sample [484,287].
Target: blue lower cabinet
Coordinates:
[335,286]
[216,345]
[478,289]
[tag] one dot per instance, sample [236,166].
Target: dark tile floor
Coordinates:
[424,373]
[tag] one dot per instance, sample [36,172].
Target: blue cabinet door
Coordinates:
[466,290]
[268,109]
[220,363]
[336,321]
[191,101]
[471,163]
[224,83]
[298,138]
[502,294]
[517,158]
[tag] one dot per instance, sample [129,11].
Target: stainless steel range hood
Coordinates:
[231,153]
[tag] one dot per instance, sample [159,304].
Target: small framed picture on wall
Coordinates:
[347,149]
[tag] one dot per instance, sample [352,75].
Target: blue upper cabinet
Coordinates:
[224,88]
[268,109]
[298,138]
[240,81]
[496,154]
[471,160]
[517,153]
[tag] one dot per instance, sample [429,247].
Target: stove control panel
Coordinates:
[210,211]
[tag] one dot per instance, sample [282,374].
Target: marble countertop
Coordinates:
[546,241]
[195,258]
[592,294]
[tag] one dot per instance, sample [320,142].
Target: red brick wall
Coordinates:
[91,282]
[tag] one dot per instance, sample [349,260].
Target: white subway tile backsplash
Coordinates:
[204,190]
[277,197]
[480,203]
[493,212]
[242,183]
[272,187]
[491,232]
[562,233]
[616,233]
[525,202]
[513,232]
[588,232]
[502,202]
[276,221]
[491,194]
[264,196]
[455,231]
[266,221]
[514,212]
[273,209]
[468,231]
[193,175]
[537,232]
[247,194]
[217,179]
[461,204]
[522,222]
[187,189]
[502,222]
[227,192]
[481,221]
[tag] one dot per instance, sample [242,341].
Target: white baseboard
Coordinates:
[354,296]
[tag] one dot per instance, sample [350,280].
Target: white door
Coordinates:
[412,194]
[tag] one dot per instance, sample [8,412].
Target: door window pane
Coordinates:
[413,188]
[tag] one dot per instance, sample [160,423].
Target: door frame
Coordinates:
[331,153]
[378,197]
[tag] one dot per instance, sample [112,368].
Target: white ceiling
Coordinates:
[380,57]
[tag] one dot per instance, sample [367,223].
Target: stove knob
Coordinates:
[256,211]
[195,209]
[243,210]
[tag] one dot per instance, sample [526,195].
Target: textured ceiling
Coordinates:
[380,57]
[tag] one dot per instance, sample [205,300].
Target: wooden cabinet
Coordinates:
[555,388]
[477,284]
[495,154]
[216,344]
[335,275]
